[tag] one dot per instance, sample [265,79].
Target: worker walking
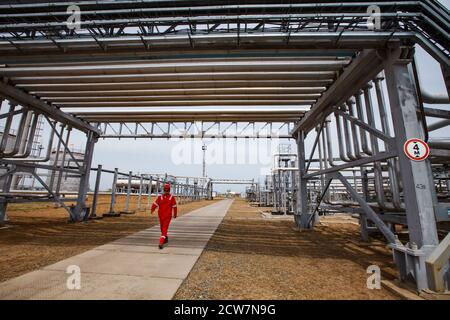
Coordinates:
[165,204]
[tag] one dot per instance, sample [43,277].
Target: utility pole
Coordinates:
[204,160]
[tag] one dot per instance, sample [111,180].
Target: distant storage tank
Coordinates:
[122,185]
[68,181]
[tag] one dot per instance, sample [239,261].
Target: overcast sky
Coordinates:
[252,158]
[160,156]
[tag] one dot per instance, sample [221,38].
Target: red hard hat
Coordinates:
[166,186]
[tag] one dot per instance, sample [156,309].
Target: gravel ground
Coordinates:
[38,234]
[254,258]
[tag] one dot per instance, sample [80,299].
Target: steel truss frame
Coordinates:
[144,24]
[198,129]
[17,158]
[212,182]
[402,188]
[150,62]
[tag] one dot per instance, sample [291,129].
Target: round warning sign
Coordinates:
[416,149]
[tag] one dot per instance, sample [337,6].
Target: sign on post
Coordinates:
[416,149]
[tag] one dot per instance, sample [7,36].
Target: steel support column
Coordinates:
[79,211]
[141,184]
[302,215]
[418,187]
[127,200]
[149,200]
[97,187]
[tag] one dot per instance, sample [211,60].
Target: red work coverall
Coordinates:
[165,205]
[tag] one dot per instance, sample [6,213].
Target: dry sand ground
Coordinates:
[254,258]
[39,235]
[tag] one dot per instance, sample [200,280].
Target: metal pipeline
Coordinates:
[428,97]
[26,132]
[46,158]
[342,155]
[55,164]
[31,135]
[5,136]
[378,173]
[439,143]
[354,134]
[27,144]
[348,145]
[20,133]
[323,155]
[438,125]
[392,163]
[63,160]
[360,115]
[328,141]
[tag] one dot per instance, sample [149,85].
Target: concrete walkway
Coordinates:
[129,268]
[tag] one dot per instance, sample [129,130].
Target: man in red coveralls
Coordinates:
[165,203]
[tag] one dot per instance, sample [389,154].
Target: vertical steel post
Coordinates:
[79,211]
[418,186]
[211,191]
[149,202]
[55,163]
[97,186]
[7,127]
[127,200]
[3,201]
[393,178]
[113,192]
[175,188]
[157,187]
[302,216]
[140,192]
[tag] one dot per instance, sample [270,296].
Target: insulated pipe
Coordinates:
[149,201]
[438,125]
[322,162]
[5,136]
[348,145]
[19,136]
[31,136]
[22,140]
[28,145]
[439,143]
[392,165]
[354,130]
[328,140]
[341,141]
[224,66]
[378,173]
[428,97]
[26,130]
[360,116]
